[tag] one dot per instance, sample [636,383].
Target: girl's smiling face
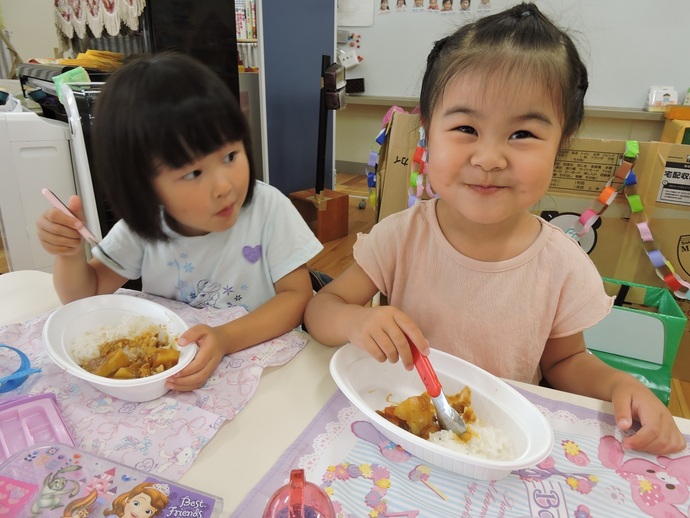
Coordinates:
[206,195]
[139,507]
[491,155]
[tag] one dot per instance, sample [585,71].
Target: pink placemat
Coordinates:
[165,435]
[587,475]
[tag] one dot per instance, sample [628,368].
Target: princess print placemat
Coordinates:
[587,474]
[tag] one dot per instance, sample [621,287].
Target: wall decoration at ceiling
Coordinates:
[72,17]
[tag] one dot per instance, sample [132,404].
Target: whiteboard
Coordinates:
[627,45]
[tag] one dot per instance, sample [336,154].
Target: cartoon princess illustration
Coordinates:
[146,499]
[81,507]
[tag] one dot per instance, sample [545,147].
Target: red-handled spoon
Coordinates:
[447,416]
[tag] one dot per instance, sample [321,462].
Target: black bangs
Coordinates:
[198,126]
[517,44]
[189,117]
[162,110]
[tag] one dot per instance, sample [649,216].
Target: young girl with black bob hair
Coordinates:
[473,272]
[172,151]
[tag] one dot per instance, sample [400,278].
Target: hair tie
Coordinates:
[439,44]
[525,14]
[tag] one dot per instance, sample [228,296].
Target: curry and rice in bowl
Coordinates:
[125,346]
[417,415]
[506,431]
[136,348]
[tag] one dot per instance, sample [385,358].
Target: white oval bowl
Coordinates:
[93,313]
[372,386]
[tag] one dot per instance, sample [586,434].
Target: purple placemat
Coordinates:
[587,475]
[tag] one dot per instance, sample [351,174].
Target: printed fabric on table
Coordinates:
[587,474]
[60,481]
[163,436]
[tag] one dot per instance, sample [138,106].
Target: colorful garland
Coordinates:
[419,182]
[375,149]
[625,174]
[379,475]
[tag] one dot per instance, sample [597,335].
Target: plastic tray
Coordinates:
[58,480]
[29,421]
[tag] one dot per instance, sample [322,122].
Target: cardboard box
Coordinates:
[327,215]
[663,176]
[677,112]
[395,164]
[676,131]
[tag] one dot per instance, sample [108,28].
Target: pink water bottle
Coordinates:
[299,499]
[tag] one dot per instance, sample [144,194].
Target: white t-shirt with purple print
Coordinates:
[222,269]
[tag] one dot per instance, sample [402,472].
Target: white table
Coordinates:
[25,294]
[286,401]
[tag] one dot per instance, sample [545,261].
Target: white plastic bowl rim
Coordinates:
[350,362]
[123,304]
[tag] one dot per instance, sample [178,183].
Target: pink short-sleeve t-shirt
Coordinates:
[497,315]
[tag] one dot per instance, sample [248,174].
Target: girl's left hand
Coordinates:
[211,352]
[659,433]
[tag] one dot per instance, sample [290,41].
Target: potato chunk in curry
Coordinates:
[417,414]
[132,358]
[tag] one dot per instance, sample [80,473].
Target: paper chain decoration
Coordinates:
[625,173]
[418,180]
[372,165]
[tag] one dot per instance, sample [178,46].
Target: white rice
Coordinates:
[486,442]
[86,346]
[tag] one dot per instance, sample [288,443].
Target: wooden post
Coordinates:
[325,211]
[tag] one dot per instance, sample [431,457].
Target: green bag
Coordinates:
[641,335]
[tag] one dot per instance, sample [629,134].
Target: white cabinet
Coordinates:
[35,154]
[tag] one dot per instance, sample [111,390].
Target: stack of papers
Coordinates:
[101,60]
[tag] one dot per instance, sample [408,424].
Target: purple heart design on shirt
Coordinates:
[252,253]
